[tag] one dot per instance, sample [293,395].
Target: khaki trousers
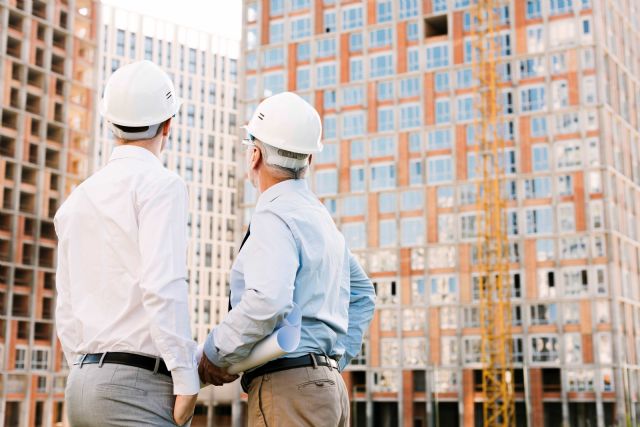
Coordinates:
[297,397]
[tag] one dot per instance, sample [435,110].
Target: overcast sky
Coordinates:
[222,17]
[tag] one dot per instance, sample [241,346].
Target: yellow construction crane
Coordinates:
[492,245]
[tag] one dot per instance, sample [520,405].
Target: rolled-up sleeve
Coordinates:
[362,299]
[163,249]
[270,265]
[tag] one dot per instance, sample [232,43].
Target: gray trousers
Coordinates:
[118,395]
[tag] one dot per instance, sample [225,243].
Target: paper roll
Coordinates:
[283,340]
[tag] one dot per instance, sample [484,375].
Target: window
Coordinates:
[276,7]
[559,94]
[471,350]
[329,127]
[415,142]
[408,8]
[441,81]
[565,185]
[537,188]
[443,110]
[303,79]
[413,31]
[355,42]
[446,228]
[148,48]
[303,52]
[385,119]
[357,179]
[439,139]
[21,358]
[410,87]
[469,226]
[353,124]
[540,158]
[326,75]
[444,289]
[352,96]
[439,169]
[276,32]
[330,21]
[415,172]
[387,202]
[384,91]
[40,359]
[326,182]
[575,281]
[352,18]
[300,4]
[273,57]
[356,69]
[534,9]
[413,59]
[412,230]
[535,39]
[132,49]
[354,235]
[439,5]
[568,154]
[531,67]
[543,314]
[410,116]
[384,10]
[325,48]
[357,150]
[437,56]
[329,99]
[538,126]
[532,98]
[383,177]
[381,65]
[300,28]
[544,349]
[465,108]
[388,233]
[558,7]
[383,146]
[273,83]
[589,93]
[412,200]
[380,38]
[328,155]
[464,78]
[539,220]
[120,42]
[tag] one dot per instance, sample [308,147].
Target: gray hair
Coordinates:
[282,163]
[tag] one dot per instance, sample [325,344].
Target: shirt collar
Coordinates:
[275,191]
[133,152]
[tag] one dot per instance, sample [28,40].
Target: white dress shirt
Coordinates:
[121,276]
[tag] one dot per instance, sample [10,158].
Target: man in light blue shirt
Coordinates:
[293,253]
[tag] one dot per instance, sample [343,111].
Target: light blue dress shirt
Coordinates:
[295,253]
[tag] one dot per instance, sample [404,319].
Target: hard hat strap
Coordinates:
[123,132]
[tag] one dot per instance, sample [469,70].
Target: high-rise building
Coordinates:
[393,82]
[47,90]
[202,148]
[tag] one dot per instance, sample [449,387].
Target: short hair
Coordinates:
[285,172]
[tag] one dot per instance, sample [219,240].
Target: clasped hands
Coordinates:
[212,374]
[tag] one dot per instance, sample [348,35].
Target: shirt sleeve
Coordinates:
[66,326]
[162,220]
[362,299]
[270,266]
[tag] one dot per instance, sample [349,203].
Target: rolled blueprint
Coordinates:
[283,340]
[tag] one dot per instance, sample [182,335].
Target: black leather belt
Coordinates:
[287,363]
[130,359]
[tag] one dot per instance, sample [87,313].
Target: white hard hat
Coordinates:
[288,122]
[139,94]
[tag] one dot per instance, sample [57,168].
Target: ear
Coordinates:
[256,158]
[166,127]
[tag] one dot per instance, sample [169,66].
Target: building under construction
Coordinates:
[396,84]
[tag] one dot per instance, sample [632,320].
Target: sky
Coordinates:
[221,17]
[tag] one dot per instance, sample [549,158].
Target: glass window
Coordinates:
[276,32]
[325,48]
[353,96]
[303,52]
[326,75]
[412,230]
[326,182]
[273,83]
[357,179]
[410,116]
[353,124]
[443,110]
[410,87]
[388,233]
[415,142]
[439,169]
[439,139]
[464,78]
[383,176]
[354,235]
[437,56]
[441,81]
[408,8]
[384,10]
[354,205]
[355,42]
[383,146]
[412,200]
[273,57]
[357,150]
[380,38]
[330,21]
[385,119]
[303,79]
[356,69]
[539,220]
[352,18]
[387,202]
[413,31]
[276,7]
[385,91]
[532,98]
[300,28]
[381,65]
[534,9]
[465,108]
[329,127]
[413,59]
[415,172]
[545,349]
[444,289]
[300,4]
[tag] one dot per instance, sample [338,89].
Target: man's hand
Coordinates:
[183,408]
[212,374]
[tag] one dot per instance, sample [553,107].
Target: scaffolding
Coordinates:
[492,245]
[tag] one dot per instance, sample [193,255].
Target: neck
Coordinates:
[267,181]
[152,145]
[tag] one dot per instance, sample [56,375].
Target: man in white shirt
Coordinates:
[122,311]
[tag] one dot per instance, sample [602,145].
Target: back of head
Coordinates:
[138,98]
